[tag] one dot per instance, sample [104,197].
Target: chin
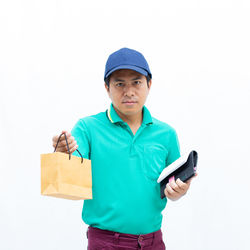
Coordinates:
[130,110]
[127,109]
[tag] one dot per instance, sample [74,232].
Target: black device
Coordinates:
[183,168]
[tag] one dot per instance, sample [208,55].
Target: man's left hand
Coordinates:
[176,189]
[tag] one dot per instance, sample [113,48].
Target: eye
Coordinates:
[137,82]
[119,84]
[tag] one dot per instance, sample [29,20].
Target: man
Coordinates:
[128,149]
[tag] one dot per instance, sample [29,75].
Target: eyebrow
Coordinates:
[120,80]
[137,78]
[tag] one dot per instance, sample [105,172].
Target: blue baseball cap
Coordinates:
[126,58]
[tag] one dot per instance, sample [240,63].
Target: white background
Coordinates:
[52,57]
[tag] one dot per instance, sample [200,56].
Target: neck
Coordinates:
[133,119]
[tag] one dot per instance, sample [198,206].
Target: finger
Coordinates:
[62,142]
[72,150]
[167,194]
[70,139]
[170,190]
[170,194]
[183,186]
[65,150]
[63,147]
[175,187]
[68,135]
[55,138]
[66,132]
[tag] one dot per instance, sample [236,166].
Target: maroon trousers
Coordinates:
[99,239]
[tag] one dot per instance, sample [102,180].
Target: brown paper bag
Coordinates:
[66,176]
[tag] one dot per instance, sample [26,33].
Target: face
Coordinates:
[128,91]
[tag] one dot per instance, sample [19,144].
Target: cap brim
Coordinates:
[135,68]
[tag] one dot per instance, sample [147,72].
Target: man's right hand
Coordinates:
[62,146]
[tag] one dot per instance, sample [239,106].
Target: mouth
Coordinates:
[129,102]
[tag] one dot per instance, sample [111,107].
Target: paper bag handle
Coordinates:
[67,146]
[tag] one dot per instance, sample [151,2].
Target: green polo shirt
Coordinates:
[125,169]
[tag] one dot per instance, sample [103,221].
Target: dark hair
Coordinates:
[107,79]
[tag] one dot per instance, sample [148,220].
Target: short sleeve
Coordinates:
[80,133]
[174,148]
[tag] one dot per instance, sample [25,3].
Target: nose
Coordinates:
[129,91]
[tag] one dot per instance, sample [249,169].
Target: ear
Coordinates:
[149,84]
[106,87]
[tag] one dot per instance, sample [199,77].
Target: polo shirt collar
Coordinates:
[112,115]
[147,118]
[115,118]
